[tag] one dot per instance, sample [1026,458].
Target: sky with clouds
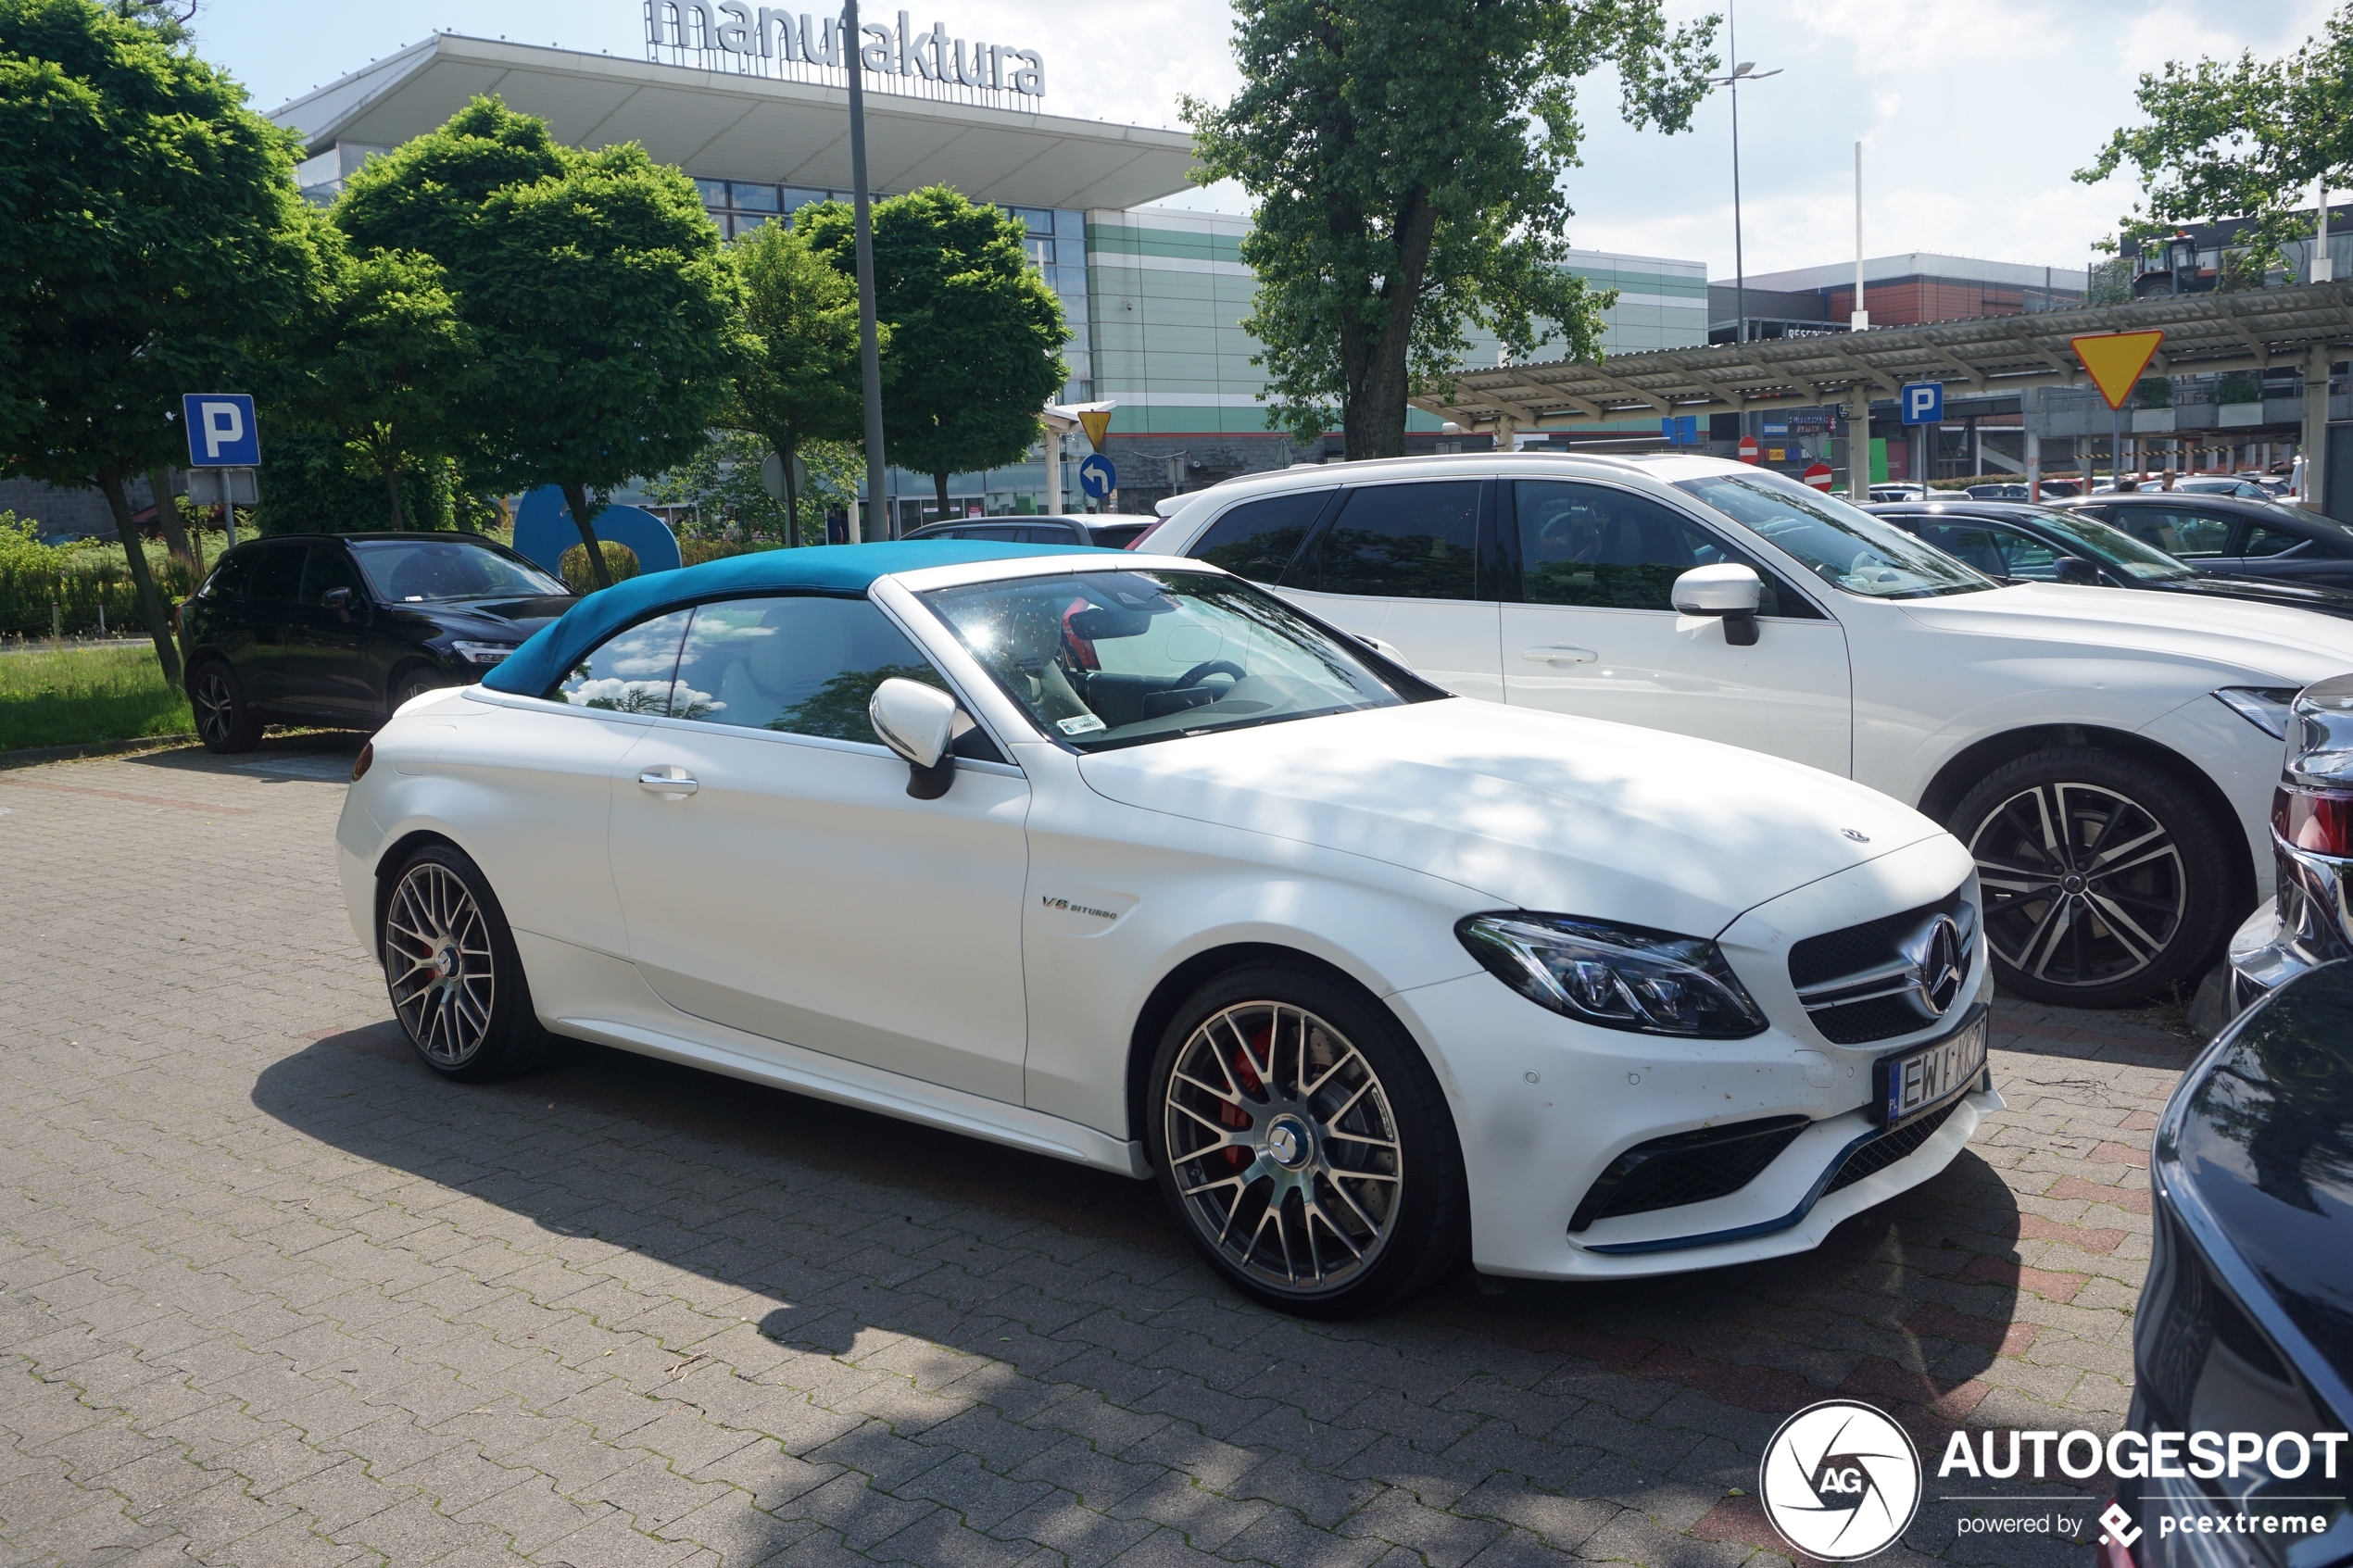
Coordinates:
[1973,113]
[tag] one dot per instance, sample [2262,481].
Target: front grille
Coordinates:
[1686,1168]
[1889,1147]
[1868,958]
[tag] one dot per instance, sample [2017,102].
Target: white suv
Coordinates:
[2108,762]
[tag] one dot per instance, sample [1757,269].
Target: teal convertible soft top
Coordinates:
[531,669]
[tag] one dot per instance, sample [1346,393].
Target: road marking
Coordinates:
[141,799]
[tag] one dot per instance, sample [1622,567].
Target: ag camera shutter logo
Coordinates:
[1841,1481]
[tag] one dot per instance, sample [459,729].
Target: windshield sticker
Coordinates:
[1079,725]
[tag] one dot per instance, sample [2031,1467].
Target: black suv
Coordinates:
[344,628]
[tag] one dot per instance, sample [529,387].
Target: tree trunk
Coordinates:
[939,482]
[392,494]
[150,602]
[585,519]
[792,496]
[175,536]
[1375,422]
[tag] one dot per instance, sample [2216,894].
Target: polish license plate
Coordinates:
[1919,1081]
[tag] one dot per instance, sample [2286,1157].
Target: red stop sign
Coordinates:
[1818,474]
[1750,450]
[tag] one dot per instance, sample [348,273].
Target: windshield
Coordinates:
[402,572]
[1843,545]
[2098,541]
[1113,658]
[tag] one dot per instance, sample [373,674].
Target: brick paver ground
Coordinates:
[269,1293]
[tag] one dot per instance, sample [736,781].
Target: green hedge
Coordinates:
[81,581]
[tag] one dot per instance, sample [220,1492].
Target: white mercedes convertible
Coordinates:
[1123,859]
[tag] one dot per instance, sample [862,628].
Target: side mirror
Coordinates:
[2075,570]
[340,601]
[918,722]
[1729,591]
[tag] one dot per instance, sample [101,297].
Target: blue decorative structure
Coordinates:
[544,531]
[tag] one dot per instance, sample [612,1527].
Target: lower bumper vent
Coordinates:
[1889,1147]
[1686,1168]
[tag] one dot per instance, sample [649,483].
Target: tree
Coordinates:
[975,334]
[381,363]
[2246,138]
[723,483]
[799,382]
[592,283]
[1407,160]
[114,297]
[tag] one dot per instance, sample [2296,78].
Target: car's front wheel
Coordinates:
[225,722]
[1306,1145]
[2105,879]
[456,981]
[411,684]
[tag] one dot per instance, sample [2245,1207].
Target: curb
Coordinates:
[33,755]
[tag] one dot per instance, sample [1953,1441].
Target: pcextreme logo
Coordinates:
[1841,1481]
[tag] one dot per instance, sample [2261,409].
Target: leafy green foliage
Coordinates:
[153,229]
[975,334]
[620,564]
[83,696]
[379,363]
[1408,162]
[797,384]
[309,486]
[592,283]
[87,585]
[2245,138]
[723,483]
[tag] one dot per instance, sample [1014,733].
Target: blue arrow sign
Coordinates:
[222,431]
[1923,403]
[1097,477]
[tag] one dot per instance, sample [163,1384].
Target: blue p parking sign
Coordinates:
[1923,403]
[221,432]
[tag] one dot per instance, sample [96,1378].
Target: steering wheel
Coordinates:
[1207,668]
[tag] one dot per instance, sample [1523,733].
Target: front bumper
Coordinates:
[2308,922]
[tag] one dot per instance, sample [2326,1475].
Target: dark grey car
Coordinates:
[2236,536]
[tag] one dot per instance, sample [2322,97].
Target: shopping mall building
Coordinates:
[753,104]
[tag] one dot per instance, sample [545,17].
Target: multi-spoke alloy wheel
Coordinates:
[1284,1146]
[223,723]
[438,964]
[2102,878]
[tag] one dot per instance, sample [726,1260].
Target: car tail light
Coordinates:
[2312,808]
[361,763]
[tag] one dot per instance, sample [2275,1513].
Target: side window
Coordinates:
[1590,544]
[2262,541]
[2183,535]
[1257,539]
[629,672]
[1973,544]
[806,665]
[231,578]
[326,570]
[276,575]
[1400,541]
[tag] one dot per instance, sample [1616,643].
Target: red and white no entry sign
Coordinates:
[1818,474]
[1750,451]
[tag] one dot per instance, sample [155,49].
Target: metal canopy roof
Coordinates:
[1992,355]
[721,124]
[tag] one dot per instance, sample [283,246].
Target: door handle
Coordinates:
[668,781]
[1559,656]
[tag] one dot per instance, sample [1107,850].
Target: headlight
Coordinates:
[1617,976]
[483,653]
[2263,707]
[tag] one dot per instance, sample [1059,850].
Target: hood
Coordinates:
[2235,640]
[504,620]
[1533,810]
[2260,1135]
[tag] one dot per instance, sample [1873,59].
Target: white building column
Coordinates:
[1859,441]
[2316,427]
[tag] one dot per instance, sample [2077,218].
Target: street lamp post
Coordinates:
[869,350]
[1741,70]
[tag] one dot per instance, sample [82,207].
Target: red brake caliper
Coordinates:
[1234,1116]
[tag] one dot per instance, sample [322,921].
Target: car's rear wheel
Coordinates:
[225,722]
[2105,879]
[450,965]
[1306,1145]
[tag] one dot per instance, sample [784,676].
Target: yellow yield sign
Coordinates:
[2116,360]
[1095,422]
